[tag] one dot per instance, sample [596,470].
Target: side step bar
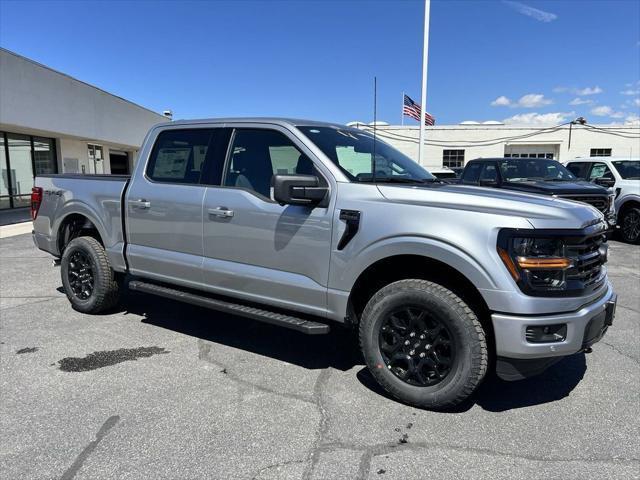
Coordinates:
[305,326]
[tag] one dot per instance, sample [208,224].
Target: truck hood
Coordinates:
[541,211]
[557,188]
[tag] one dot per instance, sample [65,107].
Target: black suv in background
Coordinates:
[539,175]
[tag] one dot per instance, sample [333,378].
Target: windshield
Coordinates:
[522,170]
[352,151]
[628,169]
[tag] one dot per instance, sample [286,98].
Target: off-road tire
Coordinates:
[469,364]
[106,288]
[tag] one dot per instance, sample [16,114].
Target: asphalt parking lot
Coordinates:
[169,391]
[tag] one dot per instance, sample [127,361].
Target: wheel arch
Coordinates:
[74,224]
[630,202]
[403,266]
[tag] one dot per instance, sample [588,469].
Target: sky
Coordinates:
[537,62]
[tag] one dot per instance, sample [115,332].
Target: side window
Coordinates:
[179,155]
[489,173]
[471,173]
[579,169]
[259,154]
[600,170]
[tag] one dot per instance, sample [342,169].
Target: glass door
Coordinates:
[5,201]
[21,173]
[96,158]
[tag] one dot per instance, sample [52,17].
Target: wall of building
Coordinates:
[38,101]
[494,140]
[39,98]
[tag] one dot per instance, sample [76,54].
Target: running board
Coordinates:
[305,326]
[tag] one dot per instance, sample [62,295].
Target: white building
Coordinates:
[453,145]
[53,123]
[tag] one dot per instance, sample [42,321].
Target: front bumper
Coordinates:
[585,327]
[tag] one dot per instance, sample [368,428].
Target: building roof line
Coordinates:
[77,80]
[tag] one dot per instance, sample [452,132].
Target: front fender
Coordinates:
[621,202]
[431,248]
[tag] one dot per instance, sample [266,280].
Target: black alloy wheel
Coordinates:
[416,346]
[631,225]
[80,274]
[89,282]
[423,344]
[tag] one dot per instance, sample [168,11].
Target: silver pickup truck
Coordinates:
[312,225]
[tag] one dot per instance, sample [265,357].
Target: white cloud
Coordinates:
[581,92]
[501,101]
[602,111]
[606,111]
[533,100]
[588,91]
[539,118]
[633,120]
[580,101]
[631,91]
[534,13]
[530,100]
[636,102]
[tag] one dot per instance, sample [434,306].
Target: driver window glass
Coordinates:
[471,173]
[259,154]
[489,173]
[600,170]
[578,169]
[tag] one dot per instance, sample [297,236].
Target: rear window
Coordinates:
[628,169]
[179,155]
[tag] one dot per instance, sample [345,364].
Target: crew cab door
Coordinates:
[255,248]
[164,205]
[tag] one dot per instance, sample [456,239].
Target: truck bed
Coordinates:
[96,197]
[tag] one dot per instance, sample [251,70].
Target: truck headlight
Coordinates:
[537,263]
[555,262]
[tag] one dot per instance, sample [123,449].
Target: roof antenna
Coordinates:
[375,121]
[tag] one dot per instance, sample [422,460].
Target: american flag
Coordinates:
[412,109]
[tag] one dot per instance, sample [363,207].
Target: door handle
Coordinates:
[141,204]
[223,212]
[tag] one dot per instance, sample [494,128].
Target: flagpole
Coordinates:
[423,103]
[402,111]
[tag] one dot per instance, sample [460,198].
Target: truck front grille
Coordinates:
[589,255]
[601,202]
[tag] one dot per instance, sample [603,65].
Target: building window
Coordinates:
[529,155]
[22,157]
[453,158]
[600,152]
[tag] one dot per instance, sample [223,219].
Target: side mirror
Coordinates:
[298,190]
[488,182]
[605,182]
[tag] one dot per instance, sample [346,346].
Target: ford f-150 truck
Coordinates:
[308,225]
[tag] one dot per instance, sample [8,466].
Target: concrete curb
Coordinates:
[15,229]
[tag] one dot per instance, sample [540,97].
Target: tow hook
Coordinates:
[56,262]
[588,350]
